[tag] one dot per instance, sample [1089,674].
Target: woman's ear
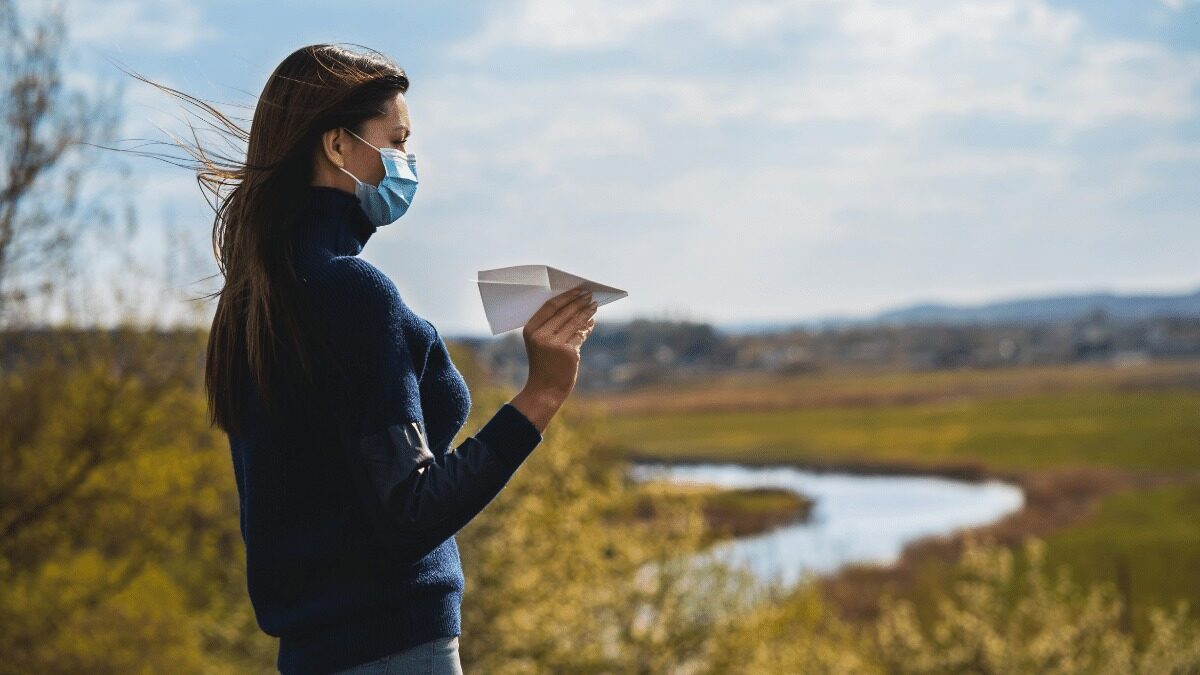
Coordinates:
[332,142]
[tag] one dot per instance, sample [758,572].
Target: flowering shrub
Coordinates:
[1009,614]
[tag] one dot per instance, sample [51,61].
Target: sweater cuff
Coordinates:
[510,434]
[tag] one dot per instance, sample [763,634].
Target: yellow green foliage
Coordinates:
[119,543]
[120,553]
[1003,617]
[555,583]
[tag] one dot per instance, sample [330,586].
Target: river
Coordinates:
[854,519]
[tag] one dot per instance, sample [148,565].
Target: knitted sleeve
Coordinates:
[414,503]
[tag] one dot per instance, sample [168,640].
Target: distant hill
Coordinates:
[1047,309]
[1019,310]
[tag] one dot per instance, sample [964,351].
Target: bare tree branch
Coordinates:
[44,156]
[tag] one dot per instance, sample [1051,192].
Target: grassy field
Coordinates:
[1154,534]
[1131,430]
[1052,429]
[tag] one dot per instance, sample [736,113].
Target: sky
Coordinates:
[730,161]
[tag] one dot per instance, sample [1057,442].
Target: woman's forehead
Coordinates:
[395,114]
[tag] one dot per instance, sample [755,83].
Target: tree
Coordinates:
[46,155]
[119,542]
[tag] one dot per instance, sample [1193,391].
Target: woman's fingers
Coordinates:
[574,322]
[567,314]
[550,308]
[577,325]
[581,335]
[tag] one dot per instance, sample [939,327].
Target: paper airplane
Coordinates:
[511,295]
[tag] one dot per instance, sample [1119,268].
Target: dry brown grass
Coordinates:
[758,391]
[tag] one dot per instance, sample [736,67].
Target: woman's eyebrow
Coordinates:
[400,126]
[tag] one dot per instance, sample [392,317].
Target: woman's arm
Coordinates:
[539,407]
[414,502]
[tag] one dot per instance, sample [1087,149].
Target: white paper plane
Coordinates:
[511,295]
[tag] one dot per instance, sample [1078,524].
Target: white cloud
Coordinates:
[870,59]
[134,25]
[556,25]
[836,126]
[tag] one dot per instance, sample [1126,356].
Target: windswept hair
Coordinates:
[259,333]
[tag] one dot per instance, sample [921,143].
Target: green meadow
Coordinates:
[1138,427]
[1155,430]
[1154,534]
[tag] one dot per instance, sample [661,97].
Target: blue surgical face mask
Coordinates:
[385,203]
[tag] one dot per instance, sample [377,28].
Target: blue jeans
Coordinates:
[436,657]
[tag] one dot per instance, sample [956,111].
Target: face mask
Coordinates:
[385,203]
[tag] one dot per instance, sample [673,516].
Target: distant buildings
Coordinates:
[619,356]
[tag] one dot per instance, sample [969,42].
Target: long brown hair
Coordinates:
[259,328]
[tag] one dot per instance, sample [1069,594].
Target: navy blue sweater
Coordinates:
[349,505]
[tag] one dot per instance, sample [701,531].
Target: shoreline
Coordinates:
[966,471]
[1054,499]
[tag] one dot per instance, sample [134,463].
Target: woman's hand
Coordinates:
[553,336]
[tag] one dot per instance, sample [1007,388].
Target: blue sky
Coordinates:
[734,161]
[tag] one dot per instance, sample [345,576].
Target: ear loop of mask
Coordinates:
[407,156]
[363,140]
[342,168]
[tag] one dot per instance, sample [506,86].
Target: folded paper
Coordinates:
[511,295]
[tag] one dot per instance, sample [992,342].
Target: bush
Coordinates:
[1007,613]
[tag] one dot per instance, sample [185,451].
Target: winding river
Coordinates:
[855,518]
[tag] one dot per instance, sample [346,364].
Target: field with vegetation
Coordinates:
[1109,457]
[120,552]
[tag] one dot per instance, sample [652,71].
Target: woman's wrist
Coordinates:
[538,405]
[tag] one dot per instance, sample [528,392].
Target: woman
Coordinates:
[339,401]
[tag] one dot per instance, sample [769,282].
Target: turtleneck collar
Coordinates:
[335,221]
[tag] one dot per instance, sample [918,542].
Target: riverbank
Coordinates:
[1078,440]
[1054,500]
[728,514]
